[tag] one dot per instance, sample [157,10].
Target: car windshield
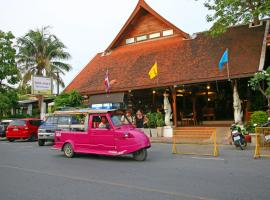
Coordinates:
[116,120]
[18,123]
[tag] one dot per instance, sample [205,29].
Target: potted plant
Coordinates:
[257,119]
[160,124]
[151,124]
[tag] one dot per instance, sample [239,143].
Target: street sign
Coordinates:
[41,85]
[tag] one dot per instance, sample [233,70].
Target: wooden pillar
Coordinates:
[174,107]
[194,104]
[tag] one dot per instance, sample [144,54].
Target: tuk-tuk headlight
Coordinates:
[126,134]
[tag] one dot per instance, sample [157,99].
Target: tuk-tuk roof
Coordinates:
[83,111]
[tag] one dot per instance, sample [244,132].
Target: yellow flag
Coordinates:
[153,71]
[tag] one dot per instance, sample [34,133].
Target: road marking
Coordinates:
[90,180]
[202,158]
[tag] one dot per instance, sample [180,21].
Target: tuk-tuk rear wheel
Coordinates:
[68,150]
[140,155]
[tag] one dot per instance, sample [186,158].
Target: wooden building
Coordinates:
[187,65]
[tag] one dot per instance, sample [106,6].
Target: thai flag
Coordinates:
[107,82]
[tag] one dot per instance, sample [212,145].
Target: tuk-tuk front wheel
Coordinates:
[140,155]
[68,150]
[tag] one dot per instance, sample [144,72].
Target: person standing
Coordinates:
[140,119]
[127,118]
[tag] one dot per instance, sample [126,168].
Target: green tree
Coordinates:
[71,99]
[8,74]
[261,82]
[8,68]
[8,101]
[226,13]
[41,54]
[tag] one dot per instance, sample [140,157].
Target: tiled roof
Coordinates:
[179,61]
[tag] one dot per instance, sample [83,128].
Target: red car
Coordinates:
[23,129]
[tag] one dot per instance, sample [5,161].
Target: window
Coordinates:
[100,122]
[130,40]
[154,35]
[51,120]
[141,38]
[18,123]
[168,32]
[63,120]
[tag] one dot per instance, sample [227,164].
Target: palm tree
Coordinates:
[41,53]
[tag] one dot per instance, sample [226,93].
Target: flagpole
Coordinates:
[228,70]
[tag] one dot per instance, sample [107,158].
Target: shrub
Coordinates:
[257,119]
[159,119]
[151,120]
[155,119]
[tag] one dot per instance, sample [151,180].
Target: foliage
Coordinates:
[257,101]
[8,100]
[71,99]
[16,116]
[155,119]
[24,89]
[159,119]
[41,53]
[8,68]
[151,120]
[257,119]
[261,82]
[231,12]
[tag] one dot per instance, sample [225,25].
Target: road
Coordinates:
[29,172]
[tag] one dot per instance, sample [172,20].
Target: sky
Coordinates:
[87,27]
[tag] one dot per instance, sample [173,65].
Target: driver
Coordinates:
[103,122]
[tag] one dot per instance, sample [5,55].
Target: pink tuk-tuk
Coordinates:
[101,132]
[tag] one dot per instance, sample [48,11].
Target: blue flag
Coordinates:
[223,60]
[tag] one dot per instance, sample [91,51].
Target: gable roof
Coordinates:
[141,7]
[179,61]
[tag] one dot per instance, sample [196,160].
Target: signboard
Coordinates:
[41,85]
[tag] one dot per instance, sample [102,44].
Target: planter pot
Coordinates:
[167,131]
[160,131]
[253,139]
[248,138]
[150,132]
[146,131]
[153,132]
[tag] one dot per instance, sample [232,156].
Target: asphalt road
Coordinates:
[29,172]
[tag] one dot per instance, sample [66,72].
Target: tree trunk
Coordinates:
[238,113]
[256,21]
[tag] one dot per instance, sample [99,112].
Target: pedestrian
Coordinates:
[127,118]
[140,119]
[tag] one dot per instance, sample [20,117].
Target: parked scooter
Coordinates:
[238,137]
[266,124]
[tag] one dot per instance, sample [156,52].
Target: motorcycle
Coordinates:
[238,137]
[266,124]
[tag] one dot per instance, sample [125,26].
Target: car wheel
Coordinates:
[140,155]
[41,142]
[11,139]
[68,150]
